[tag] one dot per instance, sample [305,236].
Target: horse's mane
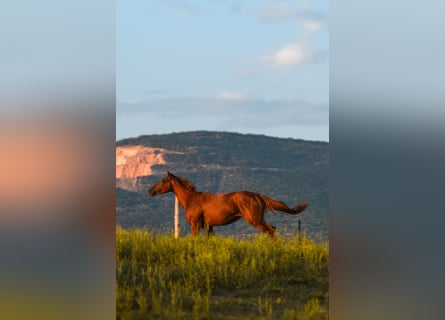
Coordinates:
[187,184]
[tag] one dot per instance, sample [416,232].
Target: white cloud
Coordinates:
[313,25]
[227,95]
[291,54]
[299,51]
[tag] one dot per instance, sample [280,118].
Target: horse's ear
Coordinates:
[169,173]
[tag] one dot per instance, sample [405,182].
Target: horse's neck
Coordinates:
[182,193]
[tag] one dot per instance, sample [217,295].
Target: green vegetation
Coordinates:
[159,277]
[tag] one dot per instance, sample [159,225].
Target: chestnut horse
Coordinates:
[205,210]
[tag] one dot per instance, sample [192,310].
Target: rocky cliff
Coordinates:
[137,161]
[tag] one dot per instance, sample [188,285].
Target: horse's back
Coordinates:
[241,193]
[231,201]
[244,194]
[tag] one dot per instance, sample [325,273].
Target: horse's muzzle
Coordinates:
[151,192]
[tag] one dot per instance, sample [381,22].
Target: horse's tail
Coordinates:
[273,205]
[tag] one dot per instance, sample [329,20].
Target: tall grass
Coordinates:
[159,277]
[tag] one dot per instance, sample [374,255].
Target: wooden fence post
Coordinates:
[176,218]
[299,228]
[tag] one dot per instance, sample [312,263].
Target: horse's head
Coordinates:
[163,186]
[166,184]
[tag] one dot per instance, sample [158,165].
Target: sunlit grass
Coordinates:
[220,278]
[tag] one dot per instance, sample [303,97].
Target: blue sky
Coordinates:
[232,65]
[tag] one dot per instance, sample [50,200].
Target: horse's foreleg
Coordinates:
[196,226]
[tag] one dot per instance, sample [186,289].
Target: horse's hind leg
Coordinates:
[265,228]
[209,230]
[270,227]
[254,215]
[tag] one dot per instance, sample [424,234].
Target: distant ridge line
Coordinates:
[207,132]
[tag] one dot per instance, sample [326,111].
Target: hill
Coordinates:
[290,170]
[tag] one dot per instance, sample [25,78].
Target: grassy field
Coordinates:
[159,277]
